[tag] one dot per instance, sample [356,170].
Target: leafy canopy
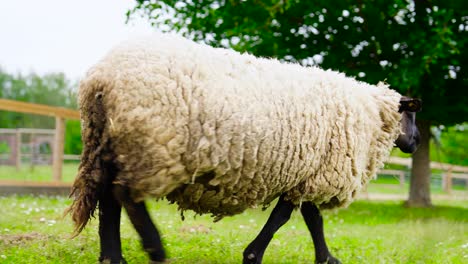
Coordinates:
[417,46]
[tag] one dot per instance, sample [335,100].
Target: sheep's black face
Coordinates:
[409,140]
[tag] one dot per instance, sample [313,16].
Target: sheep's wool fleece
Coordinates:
[217,131]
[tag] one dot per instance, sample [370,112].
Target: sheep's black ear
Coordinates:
[410,105]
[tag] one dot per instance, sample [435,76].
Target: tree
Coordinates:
[417,46]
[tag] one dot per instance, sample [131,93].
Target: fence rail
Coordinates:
[26,130]
[38,109]
[434,165]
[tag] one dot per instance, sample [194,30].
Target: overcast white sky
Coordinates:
[62,35]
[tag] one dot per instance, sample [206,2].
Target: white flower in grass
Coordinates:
[3,256]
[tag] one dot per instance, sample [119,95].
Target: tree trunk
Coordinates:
[420,195]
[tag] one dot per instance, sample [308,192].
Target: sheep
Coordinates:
[217,132]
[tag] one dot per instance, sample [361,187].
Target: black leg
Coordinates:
[253,254]
[109,229]
[141,220]
[314,222]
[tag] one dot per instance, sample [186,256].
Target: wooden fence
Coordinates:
[60,114]
[450,171]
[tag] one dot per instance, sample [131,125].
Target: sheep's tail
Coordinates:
[93,173]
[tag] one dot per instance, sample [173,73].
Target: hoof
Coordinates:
[156,255]
[252,258]
[110,261]
[329,260]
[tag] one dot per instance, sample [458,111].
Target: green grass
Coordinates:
[32,231]
[37,173]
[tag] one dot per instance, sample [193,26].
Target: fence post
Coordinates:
[18,150]
[402,179]
[58,148]
[448,181]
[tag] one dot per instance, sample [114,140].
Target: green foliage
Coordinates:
[417,46]
[450,145]
[4,148]
[73,143]
[33,230]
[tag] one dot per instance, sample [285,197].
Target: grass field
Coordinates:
[33,231]
[41,173]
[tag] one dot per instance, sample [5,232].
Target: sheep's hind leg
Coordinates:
[314,222]
[109,229]
[253,254]
[141,220]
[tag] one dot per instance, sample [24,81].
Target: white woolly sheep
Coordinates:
[218,132]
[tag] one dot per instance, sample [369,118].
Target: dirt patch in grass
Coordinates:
[18,239]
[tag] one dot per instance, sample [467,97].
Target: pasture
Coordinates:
[32,230]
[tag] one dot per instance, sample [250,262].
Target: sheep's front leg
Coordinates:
[109,229]
[253,254]
[141,220]
[314,222]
